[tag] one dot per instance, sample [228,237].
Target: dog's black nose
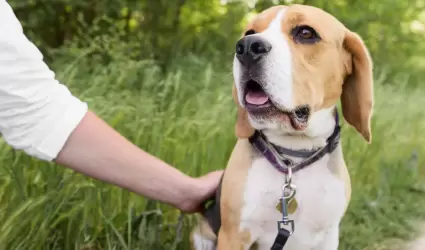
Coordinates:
[250,49]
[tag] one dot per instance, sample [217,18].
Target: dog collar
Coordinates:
[275,154]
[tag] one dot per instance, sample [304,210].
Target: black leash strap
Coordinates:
[281,239]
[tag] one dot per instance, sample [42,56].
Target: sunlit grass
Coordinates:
[186,118]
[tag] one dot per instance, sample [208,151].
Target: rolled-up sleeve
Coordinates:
[37,113]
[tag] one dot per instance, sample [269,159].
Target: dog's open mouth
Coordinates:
[259,104]
[255,95]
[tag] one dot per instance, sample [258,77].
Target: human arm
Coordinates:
[97,150]
[41,117]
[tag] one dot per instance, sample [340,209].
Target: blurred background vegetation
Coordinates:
[165,30]
[159,71]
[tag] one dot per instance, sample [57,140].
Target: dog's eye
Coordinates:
[250,32]
[305,34]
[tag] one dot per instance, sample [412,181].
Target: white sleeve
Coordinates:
[37,113]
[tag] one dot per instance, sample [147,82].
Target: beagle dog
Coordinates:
[291,67]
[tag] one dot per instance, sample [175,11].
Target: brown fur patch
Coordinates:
[262,21]
[232,198]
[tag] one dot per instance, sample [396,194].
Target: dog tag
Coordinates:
[292,206]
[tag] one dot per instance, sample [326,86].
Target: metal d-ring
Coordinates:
[289,190]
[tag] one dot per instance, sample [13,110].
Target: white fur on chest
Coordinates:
[321,203]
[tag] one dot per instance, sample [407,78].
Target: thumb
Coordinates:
[211,181]
[209,184]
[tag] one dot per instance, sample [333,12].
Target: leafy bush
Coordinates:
[163,30]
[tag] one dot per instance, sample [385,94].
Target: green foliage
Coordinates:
[160,73]
[164,30]
[159,30]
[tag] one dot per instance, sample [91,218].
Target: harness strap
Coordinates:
[212,213]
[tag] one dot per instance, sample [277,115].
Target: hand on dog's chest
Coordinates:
[292,206]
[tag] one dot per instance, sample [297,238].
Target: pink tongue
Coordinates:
[256,98]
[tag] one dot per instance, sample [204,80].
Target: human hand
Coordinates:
[204,188]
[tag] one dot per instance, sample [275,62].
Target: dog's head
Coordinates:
[291,67]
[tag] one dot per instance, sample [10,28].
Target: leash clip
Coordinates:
[282,223]
[288,193]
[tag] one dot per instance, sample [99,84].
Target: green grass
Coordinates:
[186,118]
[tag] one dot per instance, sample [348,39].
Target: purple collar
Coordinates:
[274,154]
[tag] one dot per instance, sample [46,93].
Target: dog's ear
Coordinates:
[357,90]
[243,128]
